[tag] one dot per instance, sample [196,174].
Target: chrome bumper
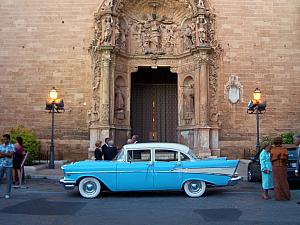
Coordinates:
[233,181]
[68,184]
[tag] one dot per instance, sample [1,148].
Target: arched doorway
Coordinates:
[154,114]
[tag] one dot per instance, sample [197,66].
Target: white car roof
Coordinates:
[163,145]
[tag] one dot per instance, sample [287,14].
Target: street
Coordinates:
[45,202]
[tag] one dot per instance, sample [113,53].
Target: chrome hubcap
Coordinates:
[89,187]
[195,187]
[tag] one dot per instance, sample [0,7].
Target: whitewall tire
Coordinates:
[194,188]
[89,187]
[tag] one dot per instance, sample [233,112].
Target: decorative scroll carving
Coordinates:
[233,89]
[104,114]
[214,63]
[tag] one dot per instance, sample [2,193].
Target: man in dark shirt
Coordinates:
[105,146]
[110,151]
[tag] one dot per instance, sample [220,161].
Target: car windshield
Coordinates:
[120,156]
[191,154]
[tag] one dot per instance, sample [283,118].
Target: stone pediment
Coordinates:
[160,27]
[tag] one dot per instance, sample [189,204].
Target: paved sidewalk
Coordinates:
[43,172]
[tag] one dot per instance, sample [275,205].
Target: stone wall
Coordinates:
[45,44]
[261,42]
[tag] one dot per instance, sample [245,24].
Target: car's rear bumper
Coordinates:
[68,184]
[233,181]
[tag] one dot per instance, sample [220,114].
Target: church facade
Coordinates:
[170,71]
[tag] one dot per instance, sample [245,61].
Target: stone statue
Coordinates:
[188,38]
[107,33]
[119,104]
[202,36]
[119,99]
[189,103]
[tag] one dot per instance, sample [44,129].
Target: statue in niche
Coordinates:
[123,38]
[202,23]
[117,34]
[107,33]
[189,102]
[119,104]
[188,38]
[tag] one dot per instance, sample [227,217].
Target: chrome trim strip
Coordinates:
[215,171]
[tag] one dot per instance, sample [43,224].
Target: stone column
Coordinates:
[105,89]
[203,93]
[204,129]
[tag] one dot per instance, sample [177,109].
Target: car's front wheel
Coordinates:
[194,188]
[89,187]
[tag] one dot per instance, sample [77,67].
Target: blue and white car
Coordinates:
[150,166]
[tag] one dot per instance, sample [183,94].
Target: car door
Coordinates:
[136,173]
[167,170]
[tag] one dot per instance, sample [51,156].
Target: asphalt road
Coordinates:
[45,202]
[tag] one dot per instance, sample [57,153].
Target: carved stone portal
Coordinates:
[178,34]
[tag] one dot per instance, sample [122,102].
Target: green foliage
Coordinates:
[287,138]
[30,142]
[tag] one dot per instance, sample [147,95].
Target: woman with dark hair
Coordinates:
[18,158]
[279,159]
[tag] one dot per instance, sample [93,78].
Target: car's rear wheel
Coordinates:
[89,187]
[194,188]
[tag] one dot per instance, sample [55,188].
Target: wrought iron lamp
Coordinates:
[257,106]
[54,105]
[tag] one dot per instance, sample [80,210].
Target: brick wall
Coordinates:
[261,42]
[44,44]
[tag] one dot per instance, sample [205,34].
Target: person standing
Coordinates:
[98,151]
[110,152]
[18,159]
[297,143]
[266,169]
[134,139]
[279,159]
[6,162]
[105,146]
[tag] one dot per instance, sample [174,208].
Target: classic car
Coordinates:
[150,166]
[254,172]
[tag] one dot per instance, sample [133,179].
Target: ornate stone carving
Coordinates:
[233,89]
[93,114]
[188,99]
[104,113]
[119,104]
[188,38]
[107,30]
[214,63]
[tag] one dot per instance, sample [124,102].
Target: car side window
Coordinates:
[166,155]
[139,155]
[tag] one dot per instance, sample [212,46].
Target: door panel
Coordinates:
[154,110]
[134,176]
[167,170]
